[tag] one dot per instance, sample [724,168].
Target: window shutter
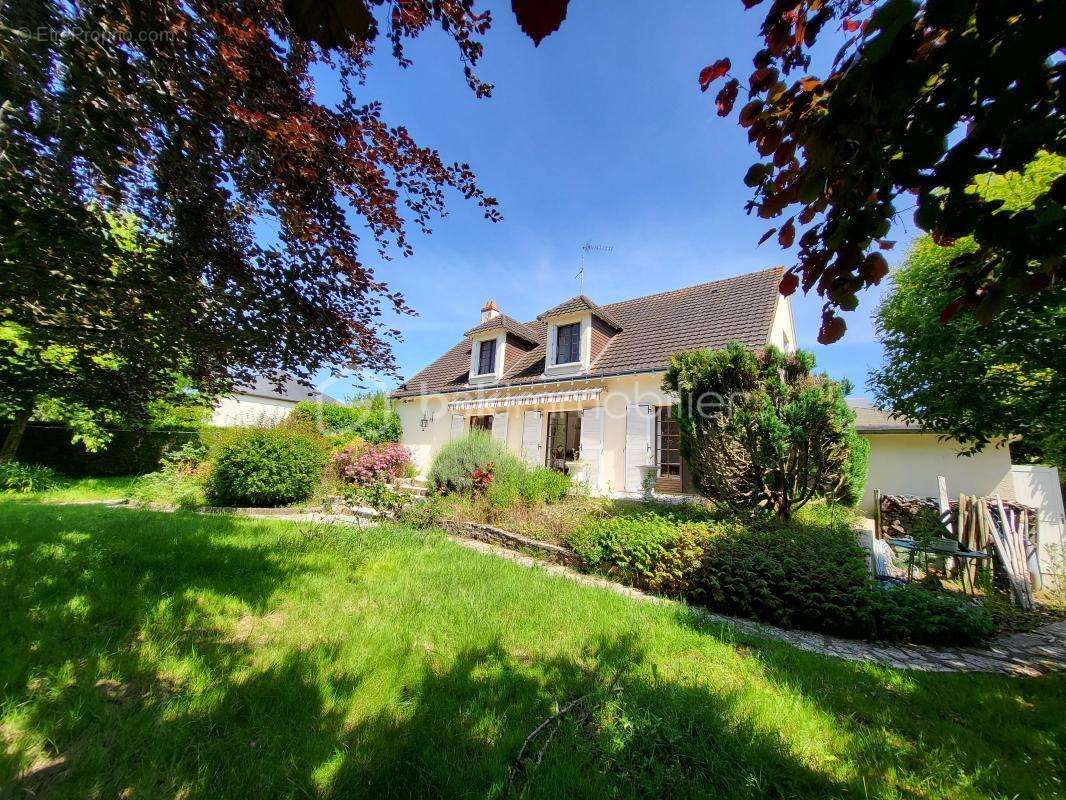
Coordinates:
[458,424]
[639,451]
[531,439]
[499,427]
[592,443]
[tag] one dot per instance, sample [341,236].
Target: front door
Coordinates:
[564,439]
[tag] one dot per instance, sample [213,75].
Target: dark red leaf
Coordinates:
[750,112]
[331,23]
[832,329]
[539,18]
[787,234]
[951,309]
[710,74]
[767,235]
[851,25]
[874,268]
[885,244]
[727,97]
[788,284]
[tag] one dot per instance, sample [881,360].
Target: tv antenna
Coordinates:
[586,248]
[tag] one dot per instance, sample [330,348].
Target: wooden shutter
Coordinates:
[499,427]
[458,425]
[531,439]
[592,443]
[640,424]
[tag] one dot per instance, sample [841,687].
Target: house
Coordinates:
[261,403]
[906,459]
[579,388]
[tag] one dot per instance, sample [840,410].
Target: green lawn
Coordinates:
[83,489]
[176,655]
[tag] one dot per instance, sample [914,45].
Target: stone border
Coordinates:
[553,553]
[1021,654]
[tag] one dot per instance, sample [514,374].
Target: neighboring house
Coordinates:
[906,459]
[579,389]
[261,403]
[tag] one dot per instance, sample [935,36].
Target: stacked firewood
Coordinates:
[899,512]
[998,527]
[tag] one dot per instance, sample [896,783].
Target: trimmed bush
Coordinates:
[792,576]
[19,478]
[914,614]
[267,467]
[453,468]
[368,463]
[651,552]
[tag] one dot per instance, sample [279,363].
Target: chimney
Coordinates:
[489,310]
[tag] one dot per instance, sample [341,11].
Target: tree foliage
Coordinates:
[107,358]
[921,99]
[977,382]
[760,432]
[201,120]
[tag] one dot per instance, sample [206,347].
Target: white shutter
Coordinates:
[592,443]
[499,427]
[458,425]
[531,444]
[639,450]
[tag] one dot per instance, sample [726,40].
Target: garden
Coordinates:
[790,558]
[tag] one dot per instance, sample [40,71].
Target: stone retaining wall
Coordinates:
[513,541]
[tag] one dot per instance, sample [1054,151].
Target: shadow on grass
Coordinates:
[188,709]
[996,735]
[645,738]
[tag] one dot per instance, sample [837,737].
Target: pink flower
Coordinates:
[372,463]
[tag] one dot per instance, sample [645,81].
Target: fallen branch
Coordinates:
[552,724]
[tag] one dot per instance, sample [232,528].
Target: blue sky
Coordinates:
[601,134]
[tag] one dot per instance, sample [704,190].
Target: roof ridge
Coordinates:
[609,306]
[695,286]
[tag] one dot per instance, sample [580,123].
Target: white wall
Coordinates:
[617,394]
[783,329]
[242,409]
[909,463]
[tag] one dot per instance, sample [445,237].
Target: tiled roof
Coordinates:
[870,419]
[581,303]
[508,324]
[290,390]
[653,328]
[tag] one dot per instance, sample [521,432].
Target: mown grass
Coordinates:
[83,490]
[177,655]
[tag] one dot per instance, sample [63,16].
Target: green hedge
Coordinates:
[128,453]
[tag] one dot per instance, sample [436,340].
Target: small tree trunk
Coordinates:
[14,435]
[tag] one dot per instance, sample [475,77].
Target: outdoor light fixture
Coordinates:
[426,420]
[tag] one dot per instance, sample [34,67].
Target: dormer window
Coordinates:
[568,343]
[486,358]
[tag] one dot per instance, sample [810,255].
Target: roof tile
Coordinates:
[651,330]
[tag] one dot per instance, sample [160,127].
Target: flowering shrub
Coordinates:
[371,463]
[482,477]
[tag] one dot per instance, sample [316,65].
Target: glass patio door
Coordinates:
[564,439]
